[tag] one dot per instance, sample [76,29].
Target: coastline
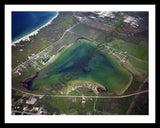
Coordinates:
[35,32]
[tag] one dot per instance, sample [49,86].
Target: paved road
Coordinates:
[111,47]
[121,96]
[27,92]
[67,30]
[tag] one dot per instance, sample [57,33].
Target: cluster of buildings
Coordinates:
[73,88]
[33,56]
[131,20]
[33,61]
[33,100]
[120,56]
[18,69]
[46,59]
[23,65]
[28,107]
[105,14]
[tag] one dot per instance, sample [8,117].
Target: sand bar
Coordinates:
[26,37]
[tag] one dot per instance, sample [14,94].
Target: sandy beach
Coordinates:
[26,37]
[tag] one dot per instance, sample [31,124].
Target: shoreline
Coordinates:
[35,32]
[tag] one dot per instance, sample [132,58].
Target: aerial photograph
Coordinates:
[79,63]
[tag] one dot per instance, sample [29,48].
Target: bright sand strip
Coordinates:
[26,37]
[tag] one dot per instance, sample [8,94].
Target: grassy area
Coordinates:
[90,32]
[140,53]
[129,47]
[133,87]
[101,69]
[83,90]
[117,26]
[141,107]
[69,106]
[140,66]
[66,23]
[113,106]
[143,43]
[44,38]
[16,78]
[133,45]
[30,70]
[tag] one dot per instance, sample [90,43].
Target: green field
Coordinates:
[43,39]
[69,106]
[131,48]
[101,68]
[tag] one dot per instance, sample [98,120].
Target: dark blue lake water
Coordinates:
[26,22]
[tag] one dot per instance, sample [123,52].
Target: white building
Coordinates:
[106,14]
[128,19]
[131,20]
